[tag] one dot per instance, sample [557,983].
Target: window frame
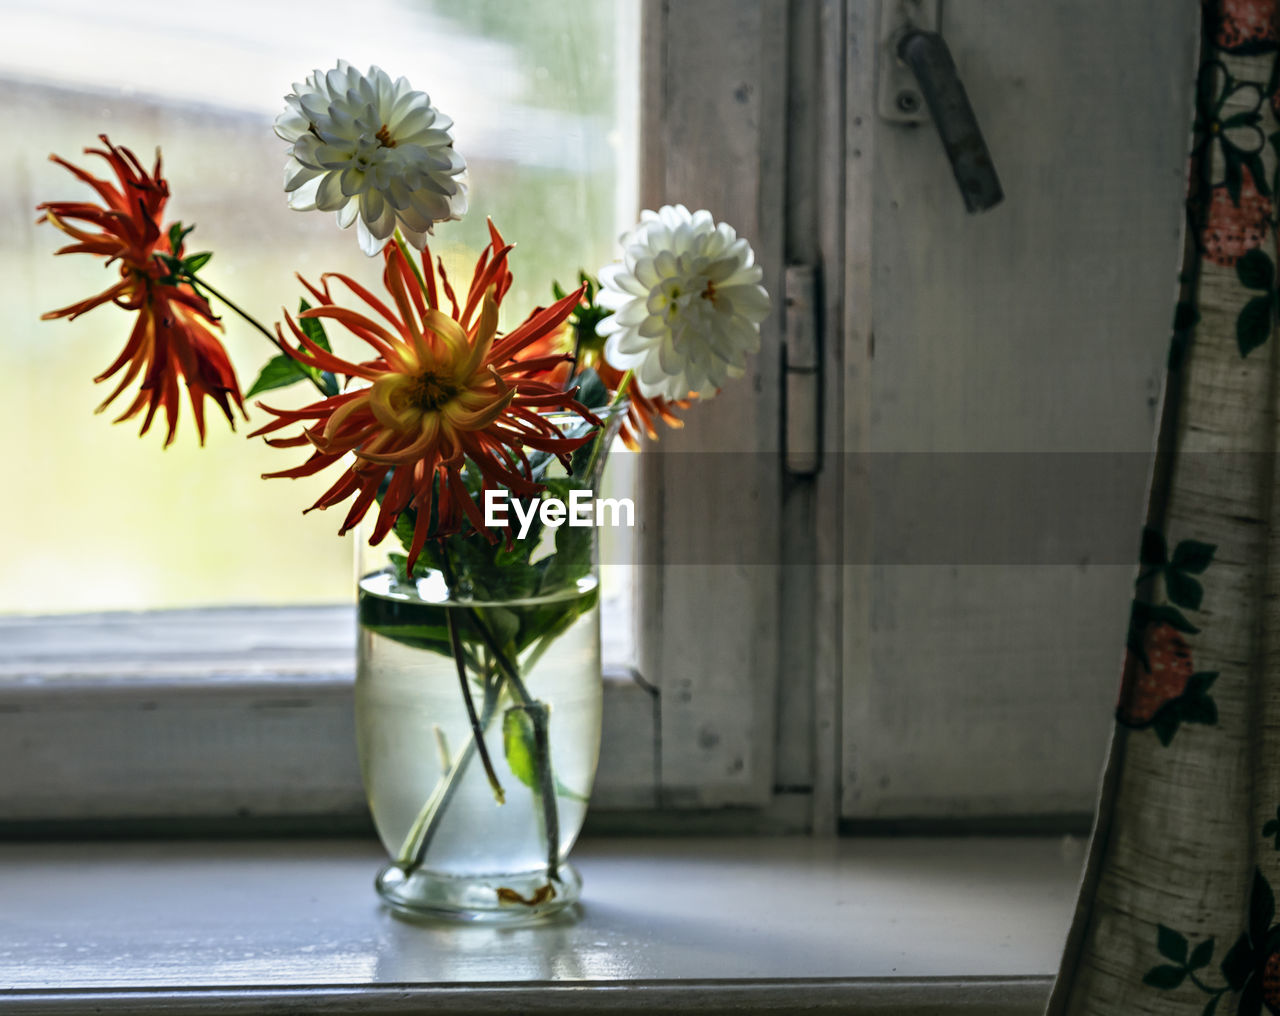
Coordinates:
[251,744]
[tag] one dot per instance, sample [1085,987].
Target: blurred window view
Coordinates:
[543,94]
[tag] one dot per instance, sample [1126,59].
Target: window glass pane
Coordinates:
[543,95]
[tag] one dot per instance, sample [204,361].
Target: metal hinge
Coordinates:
[802,372]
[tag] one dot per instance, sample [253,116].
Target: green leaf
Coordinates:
[313,328]
[1262,907]
[1200,709]
[504,624]
[591,390]
[1183,589]
[1253,326]
[1238,964]
[1198,684]
[554,617]
[178,235]
[442,647]
[279,372]
[1154,551]
[1251,999]
[1201,955]
[433,632]
[1171,944]
[1232,176]
[194,263]
[1256,270]
[1172,616]
[572,558]
[1193,556]
[1165,724]
[1165,977]
[520,745]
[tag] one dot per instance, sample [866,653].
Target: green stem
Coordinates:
[274,339]
[546,787]
[1204,987]
[616,401]
[537,713]
[477,733]
[416,842]
[505,665]
[540,647]
[413,264]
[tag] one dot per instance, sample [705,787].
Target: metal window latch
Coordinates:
[917,74]
[802,396]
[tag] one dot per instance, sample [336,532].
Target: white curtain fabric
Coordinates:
[1177,910]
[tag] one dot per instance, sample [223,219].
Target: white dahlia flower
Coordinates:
[374,151]
[687,304]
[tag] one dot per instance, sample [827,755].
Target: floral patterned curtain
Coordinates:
[1177,910]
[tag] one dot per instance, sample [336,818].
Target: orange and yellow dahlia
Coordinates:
[444,389]
[175,336]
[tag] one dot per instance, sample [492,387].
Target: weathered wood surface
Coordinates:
[1038,327]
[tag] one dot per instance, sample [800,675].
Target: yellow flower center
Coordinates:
[428,392]
[384,137]
[401,401]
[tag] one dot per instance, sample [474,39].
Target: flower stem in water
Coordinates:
[477,734]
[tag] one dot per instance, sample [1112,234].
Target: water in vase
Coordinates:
[432,801]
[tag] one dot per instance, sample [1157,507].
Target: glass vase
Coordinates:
[478,715]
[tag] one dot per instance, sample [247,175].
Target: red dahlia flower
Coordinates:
[175,336]
[444,389]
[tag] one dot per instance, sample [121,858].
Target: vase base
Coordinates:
[494,899]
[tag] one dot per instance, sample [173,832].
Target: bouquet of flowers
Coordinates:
[455,440]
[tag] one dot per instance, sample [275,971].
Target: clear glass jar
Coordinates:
[482,834]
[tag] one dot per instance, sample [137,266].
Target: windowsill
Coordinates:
[700,924]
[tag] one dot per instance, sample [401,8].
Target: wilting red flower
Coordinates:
[444,389]
[174,337]
[644,412]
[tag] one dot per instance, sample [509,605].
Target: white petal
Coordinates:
[749,301]
[652,326]
[616,277]
[304,198]
[632,313]
[296,174]
[631,341]
[347,213]
[369,243]
[329,196]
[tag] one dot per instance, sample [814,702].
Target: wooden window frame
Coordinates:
[247,721]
